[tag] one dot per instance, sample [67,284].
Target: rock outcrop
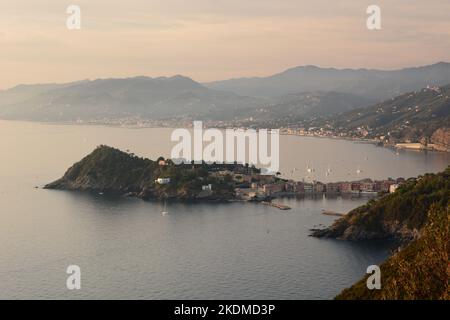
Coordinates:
[109,170]
[417,271]
[418,213]
[400,215]
[441,139]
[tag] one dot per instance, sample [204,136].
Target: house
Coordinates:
[346,187]
[367,186]
[308,187]
[332,188]
[383,186]
[356,187]
[299,187]
[393,187]
[273,188]
[318,187]
[162,181]
[207,187]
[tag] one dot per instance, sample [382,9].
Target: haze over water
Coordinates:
[127,249]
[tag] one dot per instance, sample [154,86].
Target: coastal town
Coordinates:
[163,179]
[438,141]
[250,185]
[259,187]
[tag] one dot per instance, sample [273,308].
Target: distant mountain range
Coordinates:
[155,98]
[296,94]
[375,84]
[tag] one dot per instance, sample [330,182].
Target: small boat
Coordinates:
[165,212]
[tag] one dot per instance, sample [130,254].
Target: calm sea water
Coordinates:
[127,249]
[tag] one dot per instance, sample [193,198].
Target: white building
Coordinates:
[392,188]
[207,187]
[162,180]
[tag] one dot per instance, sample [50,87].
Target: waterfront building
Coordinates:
[333,188]
[273,188]
[308,187]
[346,187]
[318,187]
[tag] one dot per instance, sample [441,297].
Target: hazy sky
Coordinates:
[213,39]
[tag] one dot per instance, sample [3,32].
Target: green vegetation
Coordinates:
[419,271]
[412,117]
[418,213]
[110,170]
[398,215]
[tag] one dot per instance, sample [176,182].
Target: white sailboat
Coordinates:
[165,212]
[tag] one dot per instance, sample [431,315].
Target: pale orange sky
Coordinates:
[213,39]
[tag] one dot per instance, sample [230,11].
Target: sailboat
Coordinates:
[164,212]
[358,171]
[328,171]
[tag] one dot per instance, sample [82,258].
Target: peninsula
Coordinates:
[109,170]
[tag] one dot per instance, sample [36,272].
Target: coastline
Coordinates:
[400,145]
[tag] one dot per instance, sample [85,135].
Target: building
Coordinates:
[393,187]
[332,188]
[308,187]
[318,187]
[367,187]
[346,187]
[162,181]
[289,186]
[273,188]
[207,187]
[356,187]
[299,187]
[383,186]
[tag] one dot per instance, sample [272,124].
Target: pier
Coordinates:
[276,205]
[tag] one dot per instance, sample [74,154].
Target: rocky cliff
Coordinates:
[441,139]
[400,215]
[418,271]
[418,214]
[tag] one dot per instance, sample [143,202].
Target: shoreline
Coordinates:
[402,145]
